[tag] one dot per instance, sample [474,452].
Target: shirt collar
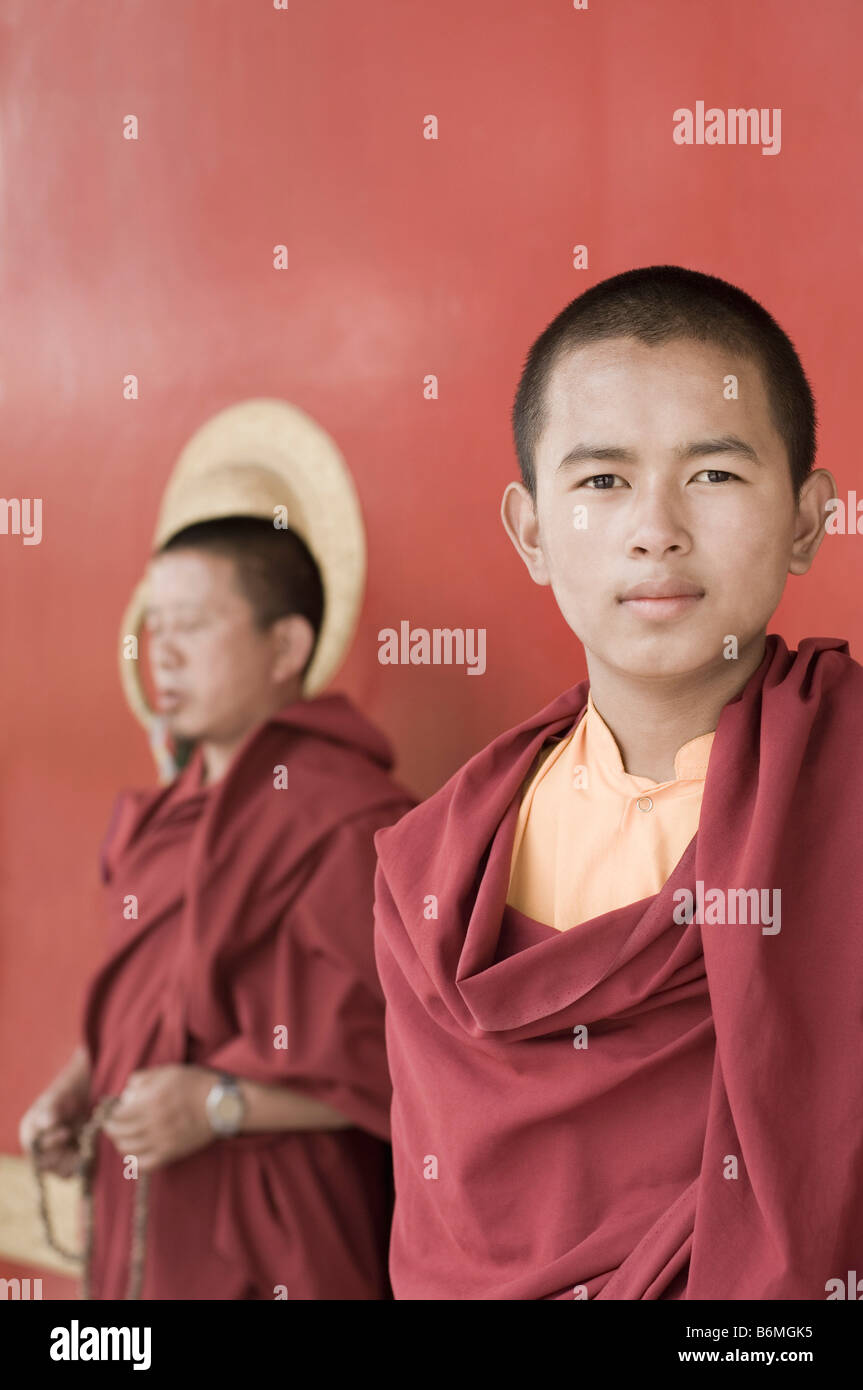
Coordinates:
[690,760]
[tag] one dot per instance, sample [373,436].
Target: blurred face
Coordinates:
[665,518]
[215,674]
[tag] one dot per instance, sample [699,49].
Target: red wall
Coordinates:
[406,257]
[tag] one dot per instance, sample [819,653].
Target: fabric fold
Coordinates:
[240,939]
[662,1101]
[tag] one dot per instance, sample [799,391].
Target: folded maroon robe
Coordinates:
[529,1168]
[254,913]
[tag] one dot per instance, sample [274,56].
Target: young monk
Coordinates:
[621,948]
[238,1013]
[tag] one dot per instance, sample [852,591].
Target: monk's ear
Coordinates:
[293,638]
[812,518]
[519,518]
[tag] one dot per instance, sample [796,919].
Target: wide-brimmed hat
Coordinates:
[249,460]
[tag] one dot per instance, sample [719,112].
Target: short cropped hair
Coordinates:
[275,569]
[657,304]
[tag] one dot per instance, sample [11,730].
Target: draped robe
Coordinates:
[235,911]
[643,1106]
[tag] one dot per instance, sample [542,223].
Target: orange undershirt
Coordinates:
[590,836]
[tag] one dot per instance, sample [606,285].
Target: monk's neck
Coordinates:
[219,753]
[217,758]
[651,718]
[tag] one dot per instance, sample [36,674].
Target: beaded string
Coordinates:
[87,1150]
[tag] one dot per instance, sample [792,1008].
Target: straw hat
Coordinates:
[246,461]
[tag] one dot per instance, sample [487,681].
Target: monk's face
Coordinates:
[645,502]
[215,674]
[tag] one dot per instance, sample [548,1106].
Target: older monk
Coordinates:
[238,1014]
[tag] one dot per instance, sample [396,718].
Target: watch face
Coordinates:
[225,1106]
[229,1107]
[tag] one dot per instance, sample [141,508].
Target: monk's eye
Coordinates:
[606,481]
[716,474]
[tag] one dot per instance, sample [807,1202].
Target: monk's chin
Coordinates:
[186,729]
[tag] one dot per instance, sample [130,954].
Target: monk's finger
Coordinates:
[50,1144]
[38,1120]
[127,1134]
[55,1134]
[138,1081]
[125,1111]
[130,1137]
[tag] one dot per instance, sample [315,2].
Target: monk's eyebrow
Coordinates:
[701,448]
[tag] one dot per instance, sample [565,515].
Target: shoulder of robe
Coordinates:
[825,669]
[296,780]
[349,771]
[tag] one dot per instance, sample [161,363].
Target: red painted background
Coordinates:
[406,257]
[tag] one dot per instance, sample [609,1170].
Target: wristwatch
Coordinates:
[225,1105]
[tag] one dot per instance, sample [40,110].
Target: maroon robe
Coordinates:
[708,1141]
[254,912]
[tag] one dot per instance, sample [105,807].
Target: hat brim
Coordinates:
[243,462]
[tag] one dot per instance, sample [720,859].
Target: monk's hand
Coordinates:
[49,1129]
[161,1115]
